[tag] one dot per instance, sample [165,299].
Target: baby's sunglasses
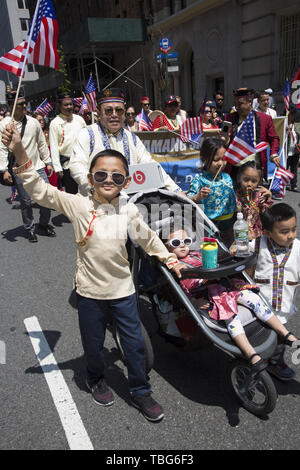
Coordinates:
[176,242]
[101,176]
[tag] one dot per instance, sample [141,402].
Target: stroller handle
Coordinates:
[227,267]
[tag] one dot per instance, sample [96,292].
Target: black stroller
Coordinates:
[256,391]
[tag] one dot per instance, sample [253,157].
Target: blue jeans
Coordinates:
[25,201]
[93,318]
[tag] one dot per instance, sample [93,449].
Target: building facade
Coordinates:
[221,44]
[14,24]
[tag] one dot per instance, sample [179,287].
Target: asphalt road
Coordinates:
[201,411]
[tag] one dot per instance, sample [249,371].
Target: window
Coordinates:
[22,4]
[25,24]
[289,46]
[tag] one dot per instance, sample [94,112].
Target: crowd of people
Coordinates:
[86,161]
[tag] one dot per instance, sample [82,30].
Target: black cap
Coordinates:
[11,96]
[249,92]
[111,94]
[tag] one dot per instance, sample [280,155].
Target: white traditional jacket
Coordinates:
[277,273]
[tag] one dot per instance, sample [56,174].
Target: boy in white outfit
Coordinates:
[277,272]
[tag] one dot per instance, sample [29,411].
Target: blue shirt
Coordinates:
[221,200]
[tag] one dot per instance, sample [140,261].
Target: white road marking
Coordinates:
[75,431]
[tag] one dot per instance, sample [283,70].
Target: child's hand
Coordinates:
[203,193]
[177,268]
[232,249]
[264,194]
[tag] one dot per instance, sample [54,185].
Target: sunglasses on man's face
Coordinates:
[117,178]
[176,242]
[110,111]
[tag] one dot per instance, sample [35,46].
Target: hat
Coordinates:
[211,104]
[170,99]
[64,96]
[145,100]
[11,96]
[111,94]
[243,92]
[269,91]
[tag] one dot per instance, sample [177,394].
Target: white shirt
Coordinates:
[63,132]
[33,140]
[270,112]
[82,156]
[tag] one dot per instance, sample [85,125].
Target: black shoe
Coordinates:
[102,395]
[47,231]
[148,406]
[32,238]
[295,190]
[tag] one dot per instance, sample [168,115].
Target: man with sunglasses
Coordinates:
[109,133]
[145,103]
[63,132]
[36,146]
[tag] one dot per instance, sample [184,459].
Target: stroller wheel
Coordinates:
[148,346]
[256,392]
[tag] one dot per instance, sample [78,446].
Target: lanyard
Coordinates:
[107,145]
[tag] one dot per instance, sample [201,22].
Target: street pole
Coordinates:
[96,69]
[167,73]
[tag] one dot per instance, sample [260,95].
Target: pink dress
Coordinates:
[252,208]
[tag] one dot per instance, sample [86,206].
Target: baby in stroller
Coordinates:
[222,300]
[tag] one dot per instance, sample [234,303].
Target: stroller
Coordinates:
[255,391]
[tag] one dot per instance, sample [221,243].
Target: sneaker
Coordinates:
[148,406]
[102,395]
[281,371]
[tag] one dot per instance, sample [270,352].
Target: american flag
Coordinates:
[145,122]
[44,108]
[281,179]
[78,101]
[243,144]
[162,121]
[191,129]
[90,91]
[286,95]
[43,42]
[84,107]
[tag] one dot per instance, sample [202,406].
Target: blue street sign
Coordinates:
[170,55]
[165,45]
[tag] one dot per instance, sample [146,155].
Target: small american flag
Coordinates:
[84,107]
[243,144]
[286,95]
[281,179]
[43,42]
[145,122]
[44,108]
[191,129]
[90,91]
[78,101]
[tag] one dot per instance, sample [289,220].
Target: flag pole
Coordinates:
[25,58]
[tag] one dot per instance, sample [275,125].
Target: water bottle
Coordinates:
[241,236]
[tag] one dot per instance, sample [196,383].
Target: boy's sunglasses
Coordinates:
[101,176]
[176,242]
[118,111]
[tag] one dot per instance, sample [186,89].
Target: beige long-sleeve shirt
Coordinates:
[63,133]
[85,149]
[33,140]
[101,232]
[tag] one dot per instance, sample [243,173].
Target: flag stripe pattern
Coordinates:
[43,45]
[243,144]
[190,127]
[44,108]
[162,121]
[281,179]
[145,122]
[286,95]
[90,91]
